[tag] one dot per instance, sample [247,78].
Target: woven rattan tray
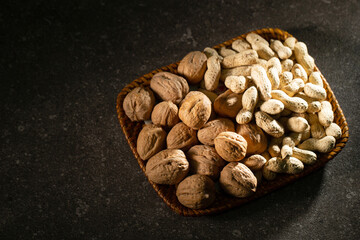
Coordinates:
[224,202]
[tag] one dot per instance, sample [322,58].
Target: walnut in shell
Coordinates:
[238,180]
[230,146]
[181,137]
[254,136]
[165,114]
[211,129]
[169,87]
[204,160]
[150,141]
[195,110]
[193,66]
[167,167]
[196,192]
[228,104]
[139,103]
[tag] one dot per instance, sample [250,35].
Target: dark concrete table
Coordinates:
[66,169]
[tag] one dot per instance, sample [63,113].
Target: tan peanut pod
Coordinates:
[254,38]
[323,145]
[181,137]
[274,63]
[288,141]
[228,104]
[243,58]
[295,138]
[326,115]
[299,72]
[211,95]
[272,106]
[306,156]
[305,134]
[291,166]
[267,174]
[151,140]
[297,124]
[285,79]
[224,52]
[165,114]
[303,115]
[262,82]
[333,130]
[261,62]
[240,45]
[315,91]
[317,130]
[211,129]
[230,146]
[314,106]
[302,57]
[275,146]
[237,84]
[315,78]
[169,87]
[286,65]
[193,66]
[254,136]
[294,104]
[282,51]
[212,74]
[254,162]
[268,124]
[290,42]
[286,151]
[167,167]
[249,100]
[209,52]
[237,71]
[238,180]
[295,86]
[260,45]
[273,76]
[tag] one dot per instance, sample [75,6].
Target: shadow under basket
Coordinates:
[225,202]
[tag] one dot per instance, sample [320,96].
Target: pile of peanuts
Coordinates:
[259,109]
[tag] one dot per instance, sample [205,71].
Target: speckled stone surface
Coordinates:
[66,169]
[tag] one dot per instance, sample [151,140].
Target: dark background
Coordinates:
[66,171]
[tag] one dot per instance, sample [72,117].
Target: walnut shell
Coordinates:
[254,136]
[165,114]
[139,103]
[150,141]
[196,192]
[195,110]
[204,160]
[181,137]
[228,104]
[238,180]
[169,87]
[211,129]
[193,66]
[230,146]
[167,167]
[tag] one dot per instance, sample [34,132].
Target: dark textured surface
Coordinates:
[66,169]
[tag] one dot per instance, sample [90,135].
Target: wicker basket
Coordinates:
[224,202]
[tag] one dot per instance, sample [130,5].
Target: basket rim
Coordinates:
[288,179]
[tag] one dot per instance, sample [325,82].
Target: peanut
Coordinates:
[297,124]
[315,78]
[237,71]
[323,145]
[240,45]
[260,45]
[314,106]
[262,82]
[333,130]
[224,52]
[317,130]
[246,57]
[326,115]
[282,51]
[272,106]
[275,146]
[290,42]
[274,62]
[291,166]
[295,86]
[212,74]
[268,124]
[287,65]
[294,104]
[299,72]
[237,84]
[315,91]
[249,101]
[209,52]
[306,156]
[285,79]
[302,57]
[273,76]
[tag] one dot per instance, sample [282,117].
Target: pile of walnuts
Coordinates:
[258,109]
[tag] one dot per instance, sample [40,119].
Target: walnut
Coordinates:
[193,66]
[167,167]
[230,146]
[165,114]
[210,130]
[150,141]
[238,180]
[254,136]
[195,110]
[169,87]
[228,104]
[196,192]
[204,160]
[139,103]
[181,137]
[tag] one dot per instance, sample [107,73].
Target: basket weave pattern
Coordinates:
[224,202]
